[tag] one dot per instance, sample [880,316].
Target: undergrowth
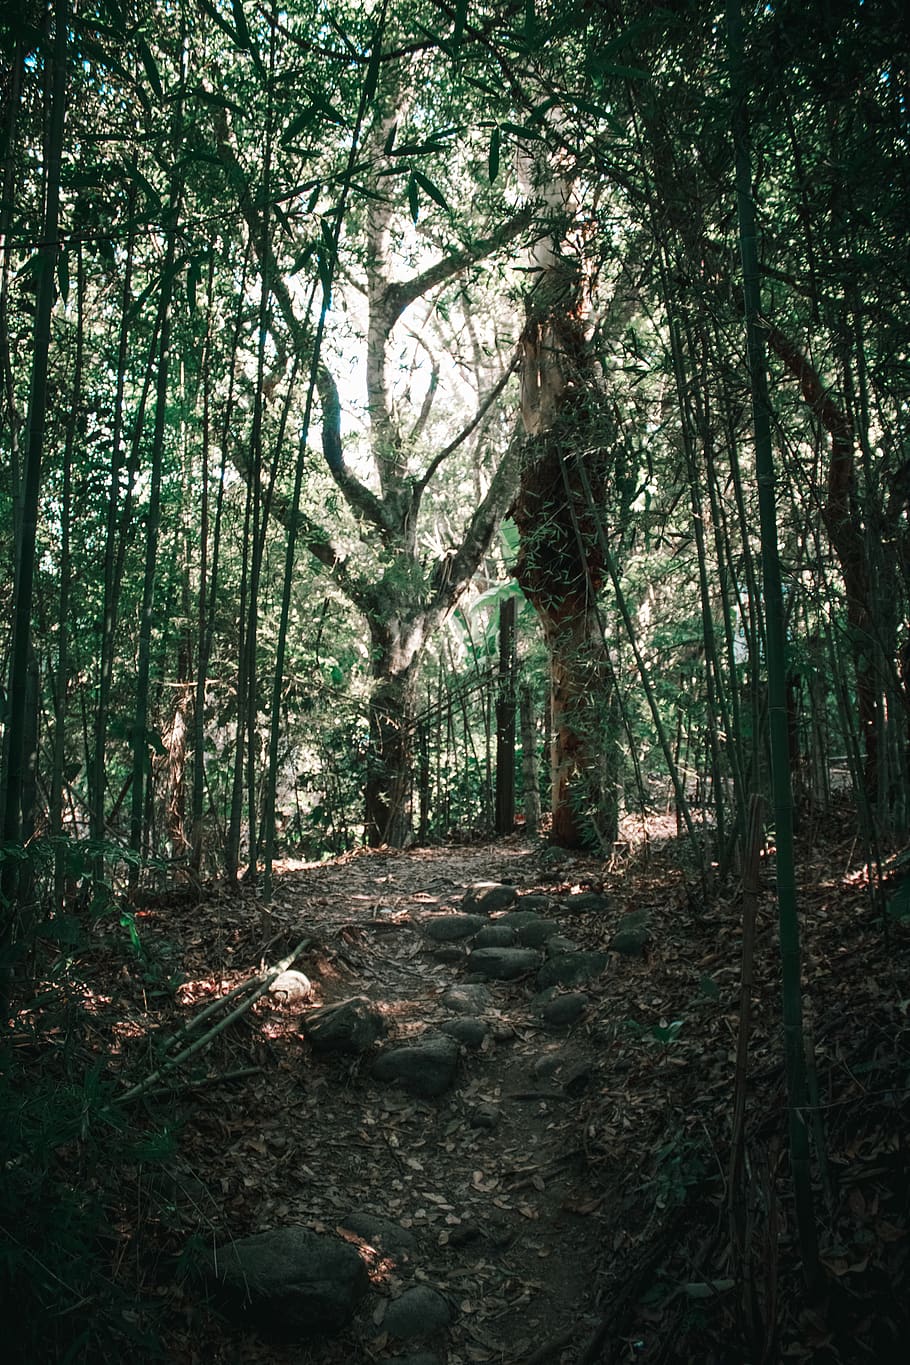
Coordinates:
[63,1143]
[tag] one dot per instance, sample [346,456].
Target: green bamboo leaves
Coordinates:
[418,181]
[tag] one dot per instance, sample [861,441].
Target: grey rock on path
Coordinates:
[466,998]
[382,1233]
[349,1027]
[419,1312]
[503,964]
[570,969]
[496,935]
[557,944]
[486,898]
[564,1010]
[450,928]
[426,1068]
[290,1282]
[632,935]
[467,1030]
[587,902]
[536,932]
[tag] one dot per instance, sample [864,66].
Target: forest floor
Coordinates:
[570,1194]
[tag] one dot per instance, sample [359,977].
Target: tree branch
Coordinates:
[482,409]
[453,573]
[361,500]
[397,297]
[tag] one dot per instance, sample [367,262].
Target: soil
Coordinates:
[592,1221]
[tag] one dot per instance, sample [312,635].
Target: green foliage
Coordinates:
[664,1034]
[679,1165]
[58,1143]
[899,903]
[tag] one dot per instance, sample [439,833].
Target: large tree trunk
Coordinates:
[397,651]
[559,569]
[560,564]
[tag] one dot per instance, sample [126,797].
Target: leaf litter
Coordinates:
[590,1223]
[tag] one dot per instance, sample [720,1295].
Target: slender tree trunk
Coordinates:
[61,686]
[209,593]
[19,758]
[560,565]
[141,753]
[198,728]
[794,1044]
[505,720]
[529,773]
[10,417]
[235,818]
[96,777]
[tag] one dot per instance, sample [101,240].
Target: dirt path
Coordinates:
[564,1194]
[490,1179]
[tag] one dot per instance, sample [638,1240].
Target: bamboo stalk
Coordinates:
[261,982]
[752,854]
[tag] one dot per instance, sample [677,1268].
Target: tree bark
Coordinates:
[531,792]
[560,563]
[16,787]
[560,569]
[505,720]
[843,525]
[397,652]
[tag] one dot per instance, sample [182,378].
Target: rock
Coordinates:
[536,903]
[467,1030]
[447,928]
[564,1010]
[568,1067]
[291,1282]
[632,935]
[469,999]
[484,1116]
[587,902]
[425,1068]
[546,1066]
[503,964]
[487,897]
[517,919]
[499,935]
[535,933]
[569,969]
[576,1079]
[291,987]
[557,944]
[421,1358]
[448,952]
[630,942]
[419,1312]
[381,1233]
[350,1027]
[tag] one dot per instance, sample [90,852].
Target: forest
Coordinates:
[455,681]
